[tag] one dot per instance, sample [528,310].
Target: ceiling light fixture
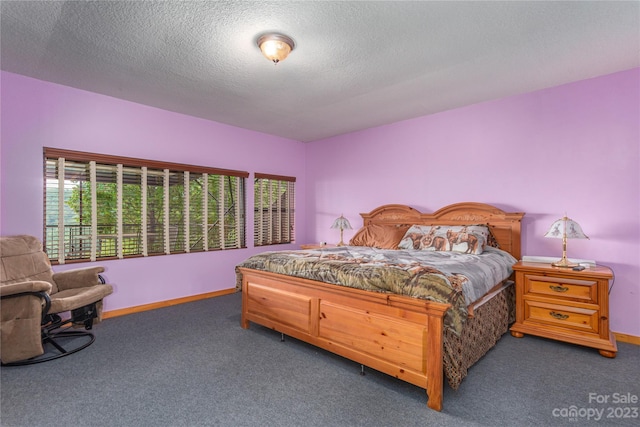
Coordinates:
[275,47]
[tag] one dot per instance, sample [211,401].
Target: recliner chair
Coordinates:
[33,298]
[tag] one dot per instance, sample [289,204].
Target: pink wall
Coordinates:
[37,114]
[574,148]
[498,152]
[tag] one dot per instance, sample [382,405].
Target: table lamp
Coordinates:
[342,223]
[565,228]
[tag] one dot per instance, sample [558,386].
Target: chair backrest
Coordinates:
[22,259]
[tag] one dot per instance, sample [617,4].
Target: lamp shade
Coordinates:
[342,223]
[566,227]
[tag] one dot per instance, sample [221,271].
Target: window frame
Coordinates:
[283,230]
[231,183]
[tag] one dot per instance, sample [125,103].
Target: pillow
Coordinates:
[470,239]
[491,240]
[379,236]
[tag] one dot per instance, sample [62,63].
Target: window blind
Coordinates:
[108,207]
[274,212]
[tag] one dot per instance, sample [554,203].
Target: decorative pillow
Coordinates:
[491,239]
[470,239]
[379,236]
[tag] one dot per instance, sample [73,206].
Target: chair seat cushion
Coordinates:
[71,299]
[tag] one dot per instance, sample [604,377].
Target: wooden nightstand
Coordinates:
[563,304]
[315,246]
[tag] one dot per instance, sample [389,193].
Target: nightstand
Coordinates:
[564,304]
[315,246]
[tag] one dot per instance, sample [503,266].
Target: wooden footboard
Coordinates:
[397,335]
[394,334]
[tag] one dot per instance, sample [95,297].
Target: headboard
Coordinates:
[505,226]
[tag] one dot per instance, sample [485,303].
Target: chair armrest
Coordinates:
[32,286]
[78,278]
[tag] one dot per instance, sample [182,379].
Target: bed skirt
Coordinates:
[480,333]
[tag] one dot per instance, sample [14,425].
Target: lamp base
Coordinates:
[564,263]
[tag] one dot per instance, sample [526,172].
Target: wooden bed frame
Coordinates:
[394,334]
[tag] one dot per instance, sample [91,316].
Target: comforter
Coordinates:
[449,277]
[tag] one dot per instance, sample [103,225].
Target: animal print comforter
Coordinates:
[449,277]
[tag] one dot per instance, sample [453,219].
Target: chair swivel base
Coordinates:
[57,345]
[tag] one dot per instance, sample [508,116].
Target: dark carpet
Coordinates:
[192,365]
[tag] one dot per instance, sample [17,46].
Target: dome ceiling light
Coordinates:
[275,47]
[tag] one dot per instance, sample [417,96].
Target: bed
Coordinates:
[419,340]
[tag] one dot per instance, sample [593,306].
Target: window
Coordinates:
[102,207]
[273,209]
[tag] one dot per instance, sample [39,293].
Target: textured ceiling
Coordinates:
[356,64]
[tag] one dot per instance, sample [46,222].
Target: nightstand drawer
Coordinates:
[577,318]
[557,287]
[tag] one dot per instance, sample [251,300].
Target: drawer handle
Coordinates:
[558,288]
[558,316]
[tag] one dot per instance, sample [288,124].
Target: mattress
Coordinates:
[449,277]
